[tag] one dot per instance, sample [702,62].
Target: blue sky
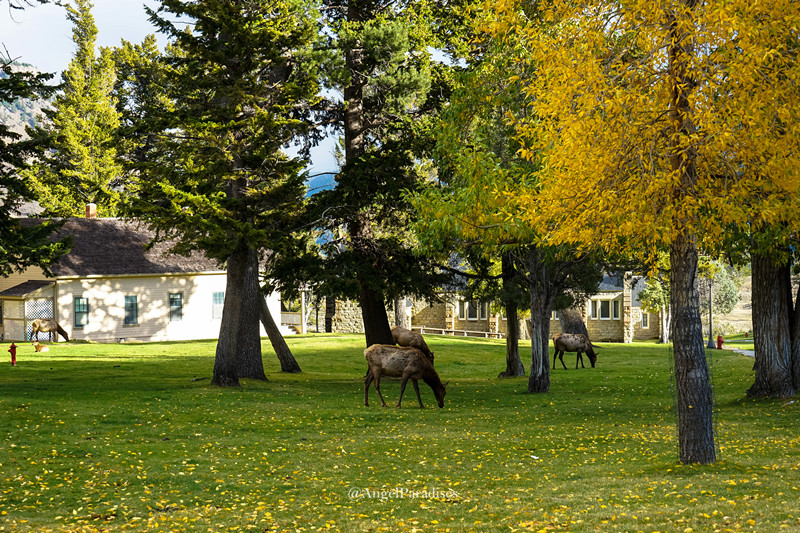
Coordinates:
[42,36]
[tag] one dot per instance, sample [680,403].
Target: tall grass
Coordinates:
[134,437]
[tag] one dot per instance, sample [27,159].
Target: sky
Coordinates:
[42,36]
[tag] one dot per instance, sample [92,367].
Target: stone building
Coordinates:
[614,314]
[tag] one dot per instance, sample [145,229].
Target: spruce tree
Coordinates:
[240,82]
[382,67]
[80,165]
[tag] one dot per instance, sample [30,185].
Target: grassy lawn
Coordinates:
[134,437]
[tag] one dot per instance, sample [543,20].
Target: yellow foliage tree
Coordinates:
[663,124]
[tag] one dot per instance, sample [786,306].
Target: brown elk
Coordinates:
[406,337]
[47,325]
[573,342]
[405,362]
[40,347]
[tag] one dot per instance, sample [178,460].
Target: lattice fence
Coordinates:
[38,309]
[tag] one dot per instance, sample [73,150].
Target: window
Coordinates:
[217,303]
[131,310]
[594,309]
[615,309]
[645,320]
[81,309]
[605,309]
[472,310]
[175,306]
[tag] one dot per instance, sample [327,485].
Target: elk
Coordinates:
[47,325]
[573,342]
[406,337]
[40,347]
[405,362]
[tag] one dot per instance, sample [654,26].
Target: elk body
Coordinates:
[406,337]
[573,342]
[406,363]
[40,347]
[47,325]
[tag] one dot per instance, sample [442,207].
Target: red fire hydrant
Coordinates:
[13,351]
[719,342]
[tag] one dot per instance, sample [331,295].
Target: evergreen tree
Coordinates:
[21,246]
[80,165]
[384,72]
[240,81]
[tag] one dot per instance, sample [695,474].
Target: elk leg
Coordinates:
[378,388]
[367,381]
[561,358]
[416,389]
[579,358]
[402,389]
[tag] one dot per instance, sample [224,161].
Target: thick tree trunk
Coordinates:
[772,331]
[249,360]
[795,325]
[572,321]
[541,309]
[692,380]
[226,372]
[285,357]
[373,313]
[400,312]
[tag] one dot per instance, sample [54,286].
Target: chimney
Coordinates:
[91,210]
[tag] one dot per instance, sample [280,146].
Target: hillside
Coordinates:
[19,114]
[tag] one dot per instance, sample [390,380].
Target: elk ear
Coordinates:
[444,385]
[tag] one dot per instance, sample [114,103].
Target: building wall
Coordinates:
[106,298]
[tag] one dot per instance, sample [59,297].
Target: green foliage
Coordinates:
[238,85]
[21,246]
[132,436]
[80,165]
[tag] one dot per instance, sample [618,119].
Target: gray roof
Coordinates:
[612,282]
[26,288]
[113,246]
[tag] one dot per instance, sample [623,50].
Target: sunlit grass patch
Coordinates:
[134,437]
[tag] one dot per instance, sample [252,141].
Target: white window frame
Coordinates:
[130,305]
[216,308]
[476,308]
[616,307]
[645,320]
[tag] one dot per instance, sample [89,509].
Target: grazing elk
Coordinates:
[573,342]
[40,347]
[406,337]
[47,325]
[405,362]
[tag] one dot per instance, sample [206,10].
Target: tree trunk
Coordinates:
[666,314]
[287,360]
[795,325]
[711,343]
[400,312]
[572,321]
[248,346]
[514,366]
[692,381]
[772,338]
[225,363]
[541,309]
[373,313]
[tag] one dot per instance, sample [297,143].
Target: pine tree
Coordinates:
[382,67]
[240,83]
[80,165]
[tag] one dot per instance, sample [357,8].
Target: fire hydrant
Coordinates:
[719,342]
[13,351]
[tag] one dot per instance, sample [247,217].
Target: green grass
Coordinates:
[134,437]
